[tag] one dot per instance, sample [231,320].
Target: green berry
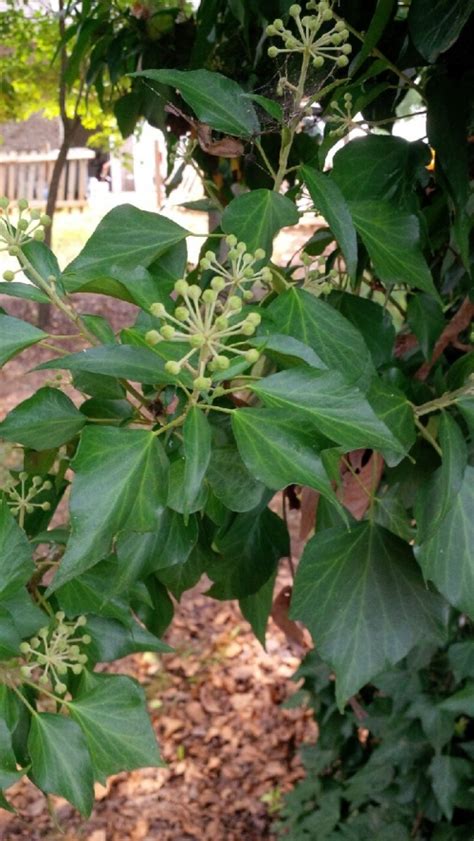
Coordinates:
[254,318]
[235,303]
[326,14]
[47,486]
[173,367]
[194,292]
[45,220]
[318,61]
[218,283]
[252,356]
[45,506]
[202,383]
[248,295]
[152,337]
[271,31]
[167,331]
[221,322]
[205,264]
[248,329]
[278,24]
[22,204]
[39,235]
[8,275]
[222,363]
[336,39]
[4,202]
[60,688]
[197,340]
[294,10]
[340,26]
[231,240]
[272,52]
[158,310]
[181,287]
[342,61]
[23,224]
[209,296]
[209,255]
[77,669]
[259,254]
[346,49]
[241,247]
[181,313]
[86,639]
[35,642]
[24,647]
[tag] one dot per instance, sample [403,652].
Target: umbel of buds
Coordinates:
[54,651]
[327,46]
[210,321]
[341,117]
[20,499]
[25,228]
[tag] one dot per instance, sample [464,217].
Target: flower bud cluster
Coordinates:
[209,320]
[55,651]
[26,228]
[330,46]
[341,117]
[20,499]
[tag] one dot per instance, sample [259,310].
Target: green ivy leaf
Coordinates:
[9,637]
[462,702]
[279,451]
[362,597]
[257,607]
[447,773]
[120,485]
[8,764]
[425,317]
[197,454]
[321,398]
[372,321]
[436,496]
[461,659]
[15,336]
[116,726]
[16,565]
[44,421]
[329,201]
[333,338]
[392,238]
[250,548]
[231,482]
[112,640]
[181,577]
[257,216]
[269,105]
[60,760]
[446,557]
[216,100]
[125,238]
[23,290]
[435,25]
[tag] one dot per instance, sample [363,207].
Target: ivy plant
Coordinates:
[340,380]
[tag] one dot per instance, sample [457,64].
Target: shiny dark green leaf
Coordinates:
[44,421]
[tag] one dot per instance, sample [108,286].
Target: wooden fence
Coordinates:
[28,174]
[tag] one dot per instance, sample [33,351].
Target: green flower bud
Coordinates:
[181,313]
[43,632]
[221,322]
[158,310]
[209,255]
[60,688]
[241,247]
[60,615]
[231,240]
[222,363]
[39,235]
[209,296]
[235,303]
[278,24]
[24,647]
[342,61]
[4,202]
[45,506]
[271,31]
[8,275]
[22,224]
[194,292]
[86,639]
[29,509]
[340,26]
[77,669]
[259,254]
[248,273]
[13,251]
[254,318]
[346,49]
[248,329]
[26,671]
[336,38]
[167,331]
[43,679]
[173,367]
[82,658]
[35,642]
[204,264]
[45,220]
[266,275]
[318,61]
[181,287]
[74,650]
[219,391]
[61,669]
[81,621]
[152,337]
[248,295]
[34,215]
[348,97]
[37,481]
[197,340]
[294,10]
[326,14]
[202,383]
[252,356]
[291,43]
[218,283]
[272,52]
[47,485]
[22,204]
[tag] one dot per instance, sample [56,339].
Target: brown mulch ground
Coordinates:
[216,704]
